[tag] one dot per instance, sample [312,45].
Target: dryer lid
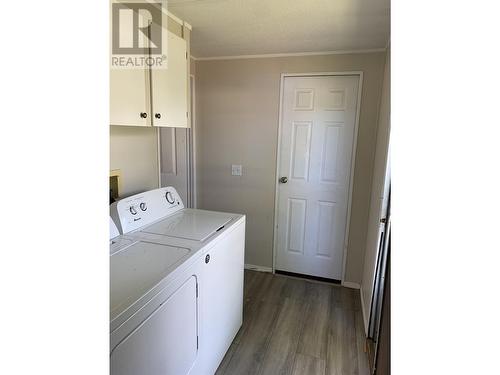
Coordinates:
[191,224]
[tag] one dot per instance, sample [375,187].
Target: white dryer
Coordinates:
[208,244]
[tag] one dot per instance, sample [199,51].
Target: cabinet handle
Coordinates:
[144,115]
[207,258]
[157,115]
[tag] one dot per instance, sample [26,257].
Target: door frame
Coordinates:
[353,158]
[192,142]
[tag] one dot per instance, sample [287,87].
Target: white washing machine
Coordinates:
[170,253]
[153,307]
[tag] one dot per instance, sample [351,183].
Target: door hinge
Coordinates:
[197,345]
[187,114]
[186,55]
[196,290]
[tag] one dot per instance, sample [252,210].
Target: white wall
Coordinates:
[237,105]
[378,187]
[133,151]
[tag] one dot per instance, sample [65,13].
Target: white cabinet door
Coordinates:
[129,87]
[169,87]
[129,97]
[166,342]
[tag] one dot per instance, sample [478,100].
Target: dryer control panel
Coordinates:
[138,210]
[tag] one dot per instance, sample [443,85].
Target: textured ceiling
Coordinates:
[248,27]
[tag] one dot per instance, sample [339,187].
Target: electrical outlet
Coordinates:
[236,170]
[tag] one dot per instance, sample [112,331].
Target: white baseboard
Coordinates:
[258,268]
[365,319]
[350,284]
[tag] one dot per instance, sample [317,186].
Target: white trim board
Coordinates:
[158,154]
[179,21]
[175,18]
[353,159]
[291,54]
[194,178]
[365,320]
[351,177]
[258,268]
[351,285]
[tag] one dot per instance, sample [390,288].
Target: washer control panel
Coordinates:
[139,210]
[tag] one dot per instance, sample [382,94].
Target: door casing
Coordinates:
[353,159]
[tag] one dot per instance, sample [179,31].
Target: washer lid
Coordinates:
[137,269]
[190,224]
[113,230]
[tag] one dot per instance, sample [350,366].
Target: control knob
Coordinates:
[133,211]
[143,206]
[169,197]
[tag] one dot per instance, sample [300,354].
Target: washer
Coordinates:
[153,290]
[205,245]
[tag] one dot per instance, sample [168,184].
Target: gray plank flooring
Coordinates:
[297,327]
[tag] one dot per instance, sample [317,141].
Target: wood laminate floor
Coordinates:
[296,326]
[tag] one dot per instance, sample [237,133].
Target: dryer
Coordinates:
[159,217]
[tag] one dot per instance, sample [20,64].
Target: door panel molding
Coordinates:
[300,150]
[351,169]
[296,217]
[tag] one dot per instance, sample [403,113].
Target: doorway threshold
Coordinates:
[310,277]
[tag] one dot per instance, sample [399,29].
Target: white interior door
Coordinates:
[174,161]
[177,158]
[316,147]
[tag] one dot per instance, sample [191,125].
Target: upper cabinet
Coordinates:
[169,87]
[130,97]
[152,96]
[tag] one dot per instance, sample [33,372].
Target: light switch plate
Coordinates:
[236,170]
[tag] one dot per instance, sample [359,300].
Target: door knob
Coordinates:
[283,180]
[144,115]
[157,115]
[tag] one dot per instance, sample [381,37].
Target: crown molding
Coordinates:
[271,55]
[175,18]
